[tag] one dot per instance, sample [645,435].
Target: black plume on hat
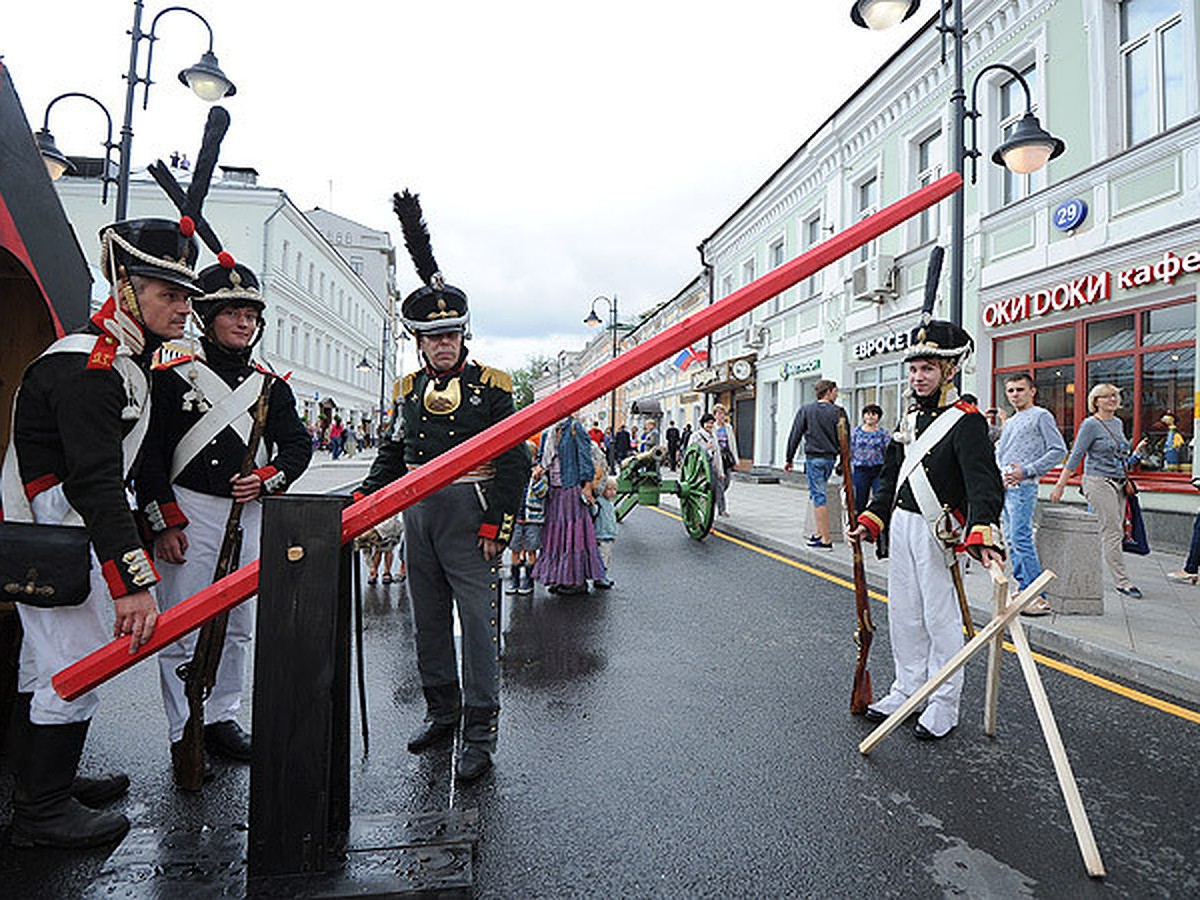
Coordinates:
[437,306]
[934,338]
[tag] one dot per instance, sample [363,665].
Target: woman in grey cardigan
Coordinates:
[1101,445]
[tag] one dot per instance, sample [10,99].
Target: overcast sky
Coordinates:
[561,150]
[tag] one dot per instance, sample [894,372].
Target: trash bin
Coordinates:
[1068,541]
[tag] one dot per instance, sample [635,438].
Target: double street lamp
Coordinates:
[365,365]
[1027,149]
[205,79]
[594,320]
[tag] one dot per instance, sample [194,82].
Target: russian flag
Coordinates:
[688,356]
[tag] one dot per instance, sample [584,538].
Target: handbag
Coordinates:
[1131,489]
[1134,538]
[727,460]
[44,565]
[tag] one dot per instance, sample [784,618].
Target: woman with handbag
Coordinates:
[1101,445]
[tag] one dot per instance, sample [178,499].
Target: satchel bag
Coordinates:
[44,565]
[728,463]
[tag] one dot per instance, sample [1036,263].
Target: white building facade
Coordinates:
[1081,273]
[320,313]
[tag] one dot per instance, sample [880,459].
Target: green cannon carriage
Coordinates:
[640,481]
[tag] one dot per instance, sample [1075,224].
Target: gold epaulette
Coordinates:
[496,378]
[405,386]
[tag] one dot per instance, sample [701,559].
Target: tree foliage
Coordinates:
[524,377]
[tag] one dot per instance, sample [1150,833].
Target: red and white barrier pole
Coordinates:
[99,666]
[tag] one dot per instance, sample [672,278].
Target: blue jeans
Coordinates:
[1192,566]
[866,481]
[1019,502]
[818,469]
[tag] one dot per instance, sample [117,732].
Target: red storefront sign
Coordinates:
[1087,289]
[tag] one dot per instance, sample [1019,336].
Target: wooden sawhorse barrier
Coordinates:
[992,634]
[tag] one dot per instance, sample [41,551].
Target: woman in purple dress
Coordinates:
[570,555]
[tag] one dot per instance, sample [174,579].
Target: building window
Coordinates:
[748,271]
[356,263]
[279,338]
[321,292]
[1153,64]
[866,203]
[774,260]
[884,386]
[929,160]
[727,284]
[312,269]
[283,257]
[299,264]
[811,286]
[1012,109]
[1149,354]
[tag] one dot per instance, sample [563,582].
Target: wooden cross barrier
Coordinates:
[992,635]
[99,666]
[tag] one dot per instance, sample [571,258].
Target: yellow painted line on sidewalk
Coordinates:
[1099,681]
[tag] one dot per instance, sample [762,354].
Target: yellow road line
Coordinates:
[1099,681]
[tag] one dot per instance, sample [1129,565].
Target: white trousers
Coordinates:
[924,621]
[56,638]
[206,528]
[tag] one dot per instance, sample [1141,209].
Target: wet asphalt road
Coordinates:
[686,735]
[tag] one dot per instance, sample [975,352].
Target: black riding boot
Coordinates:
[443,704]
[479,741]
[93,792]
[44,812]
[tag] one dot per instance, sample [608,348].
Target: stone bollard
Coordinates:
[1068,542]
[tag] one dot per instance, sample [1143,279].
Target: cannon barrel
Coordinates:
[647,459]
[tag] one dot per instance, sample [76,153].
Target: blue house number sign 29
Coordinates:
[1070,215]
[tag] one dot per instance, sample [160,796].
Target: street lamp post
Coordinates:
[1026,151]
[592,321]
[205,79]
[57,163]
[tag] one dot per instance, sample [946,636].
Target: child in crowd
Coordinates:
[527,533]
[604,514]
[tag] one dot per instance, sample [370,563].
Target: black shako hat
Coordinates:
[436,307]
[227,285]
[152,248]
[937,339]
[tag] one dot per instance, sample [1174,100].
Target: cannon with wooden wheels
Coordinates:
[640,481]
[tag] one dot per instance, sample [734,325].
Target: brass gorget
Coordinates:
[444,401]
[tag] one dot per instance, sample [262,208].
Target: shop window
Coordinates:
[1110,335]
[882,385]
[1166,401]
[1012,351]
[1169,324]
[1058,343]
[1153,67]
[1150,355]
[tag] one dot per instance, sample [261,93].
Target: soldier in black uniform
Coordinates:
[453,539]
[191,474]
[940,493]
[81,415]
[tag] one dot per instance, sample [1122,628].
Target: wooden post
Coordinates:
[1058,753]
[991,694]
[300,771]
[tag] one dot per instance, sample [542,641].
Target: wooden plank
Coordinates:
[957,661]
[96,668]
[1058,753]
[991,695]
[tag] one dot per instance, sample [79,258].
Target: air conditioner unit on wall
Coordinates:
[755,336]
[874,279]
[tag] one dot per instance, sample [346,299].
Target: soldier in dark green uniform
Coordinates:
[454,538]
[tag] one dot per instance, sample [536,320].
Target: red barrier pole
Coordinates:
[99,666]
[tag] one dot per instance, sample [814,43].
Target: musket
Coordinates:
[199,674]
[864,631]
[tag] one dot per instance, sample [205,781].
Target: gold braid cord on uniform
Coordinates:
[504,535]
